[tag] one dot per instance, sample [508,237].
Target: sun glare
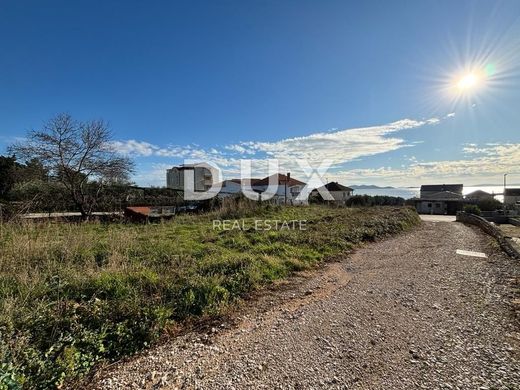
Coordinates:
[468,82]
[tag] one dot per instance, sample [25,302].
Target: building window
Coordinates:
[429,205]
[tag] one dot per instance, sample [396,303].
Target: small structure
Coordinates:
[440,199]
[149,213]
[339,192]
[511,196]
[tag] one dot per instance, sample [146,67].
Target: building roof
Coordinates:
[188,166]
[151,211]
[456,188]
[442,196]
[139,210]
[335,186]
[478,194]
[282,179]
[512,192]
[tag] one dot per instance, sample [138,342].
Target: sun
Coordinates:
[468,82]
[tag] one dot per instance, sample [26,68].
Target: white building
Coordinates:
[233,187]
[512,196]
[287,191]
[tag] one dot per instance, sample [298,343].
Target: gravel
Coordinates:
[402,313]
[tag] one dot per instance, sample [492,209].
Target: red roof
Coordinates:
[282,179]
[139,210]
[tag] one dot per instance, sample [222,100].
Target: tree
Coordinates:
[7,174]
[33,170]
[78,155]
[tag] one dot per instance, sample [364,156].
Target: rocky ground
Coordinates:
[403,313]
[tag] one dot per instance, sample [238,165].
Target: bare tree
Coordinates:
[77,154]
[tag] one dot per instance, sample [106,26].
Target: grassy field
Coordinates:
[73,295]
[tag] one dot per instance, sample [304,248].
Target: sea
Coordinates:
[412,192]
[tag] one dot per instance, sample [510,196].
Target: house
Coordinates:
[511,196]
[479,195]
[287,191]
[202,175]
[233,187]
[440,199]
[339,192]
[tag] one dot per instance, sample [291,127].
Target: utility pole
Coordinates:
[287,178]
[504,193]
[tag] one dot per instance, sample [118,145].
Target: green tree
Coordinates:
[7,174]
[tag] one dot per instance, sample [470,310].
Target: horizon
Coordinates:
[397,94]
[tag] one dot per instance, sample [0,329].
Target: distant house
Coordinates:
[175,177]
[339,192]
[512,196]
[288,188]
[478,195]
[440,199]
[234,186]
[287,191]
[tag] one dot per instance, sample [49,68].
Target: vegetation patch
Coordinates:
[74,295]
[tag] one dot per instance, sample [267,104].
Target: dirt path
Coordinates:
[403,313]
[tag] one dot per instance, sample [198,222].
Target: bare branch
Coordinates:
[76,153]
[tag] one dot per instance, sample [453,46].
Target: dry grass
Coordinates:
[72,295]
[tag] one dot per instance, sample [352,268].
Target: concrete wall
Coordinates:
[490,229]
[340,196]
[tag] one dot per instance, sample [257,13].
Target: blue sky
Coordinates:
[368,84]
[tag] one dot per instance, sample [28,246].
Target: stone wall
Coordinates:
[490,229]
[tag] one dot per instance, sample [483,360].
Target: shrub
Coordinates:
[377,200]
[472,209]
[490,204]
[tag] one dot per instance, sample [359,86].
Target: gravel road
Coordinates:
[404,313]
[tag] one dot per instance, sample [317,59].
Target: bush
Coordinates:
[472,209]
[490,204]
[377,200]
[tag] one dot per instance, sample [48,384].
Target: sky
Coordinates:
[373,87]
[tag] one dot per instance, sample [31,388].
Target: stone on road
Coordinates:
[404,313]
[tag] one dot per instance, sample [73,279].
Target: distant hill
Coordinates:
[493,185]
[369,187]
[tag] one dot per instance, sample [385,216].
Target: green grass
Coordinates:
[74,295]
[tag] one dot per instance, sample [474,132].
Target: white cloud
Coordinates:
[490,163]
[340,146]
[133,147]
